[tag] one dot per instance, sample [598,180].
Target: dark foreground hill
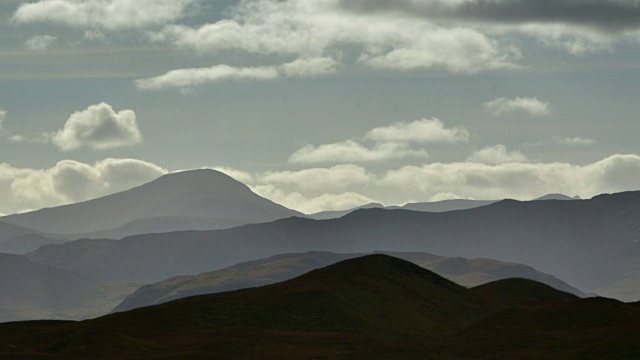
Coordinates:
[466,272]
[34,291]
[372,307]
[591,244]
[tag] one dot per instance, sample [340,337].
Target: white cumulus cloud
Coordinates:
[497,154]
[504,106]
[338,177]
[351,151]
[98,127]
[420,131]
[105,14]
[70,181]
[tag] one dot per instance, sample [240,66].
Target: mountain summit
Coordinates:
[189,200]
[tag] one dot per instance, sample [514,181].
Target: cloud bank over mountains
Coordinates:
[338,187]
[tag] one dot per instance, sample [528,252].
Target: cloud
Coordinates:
[420,131]
[98,127]
[3,116]
[339,177]
[531,106]
[351,151]
[104,14]
[40,42]
[605,15]
[189,78]
[573,141]
[497,154]
[239,175]
[516,180]
[317,29]
[312,204]
[70,181]
[305,190]
[387,143]
[335,188]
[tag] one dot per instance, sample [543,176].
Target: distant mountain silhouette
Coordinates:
[34,291]
[435,206]
[27,243]
[557,197]
[197,199]
[591,244]
[371,307]
[19,240]
[462,271]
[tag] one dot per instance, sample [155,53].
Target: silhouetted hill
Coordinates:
[18,240]
[33,291]
[593,328]
[434,206]
[591,244]
[370,307]
[556,197]
[520,292]
[283,267]
[27,243]
[171,203]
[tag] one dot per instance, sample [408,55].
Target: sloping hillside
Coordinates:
[371,307]
[173,202]
[284,267]
[34,291]
[590,244]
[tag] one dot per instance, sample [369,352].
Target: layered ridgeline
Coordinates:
[435,206]
[34,291]
[591,244]
[466,272]
[17,239]
[190,200]
[371,307]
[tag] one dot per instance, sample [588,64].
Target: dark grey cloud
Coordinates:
[606,15]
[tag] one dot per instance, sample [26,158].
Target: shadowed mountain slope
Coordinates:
[372,307]
[18,240]
[591,244]
[171,203]
[283,267]
[35,291]
[595,328]
[434,206]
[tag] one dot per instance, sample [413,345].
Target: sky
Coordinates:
[320,104]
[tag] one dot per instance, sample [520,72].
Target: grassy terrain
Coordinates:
[466,272]
[365,308]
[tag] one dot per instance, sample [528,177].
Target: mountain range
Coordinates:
[190,200]
[466,272]
[591,244]
[34,291]
[374,307]
[435,206]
